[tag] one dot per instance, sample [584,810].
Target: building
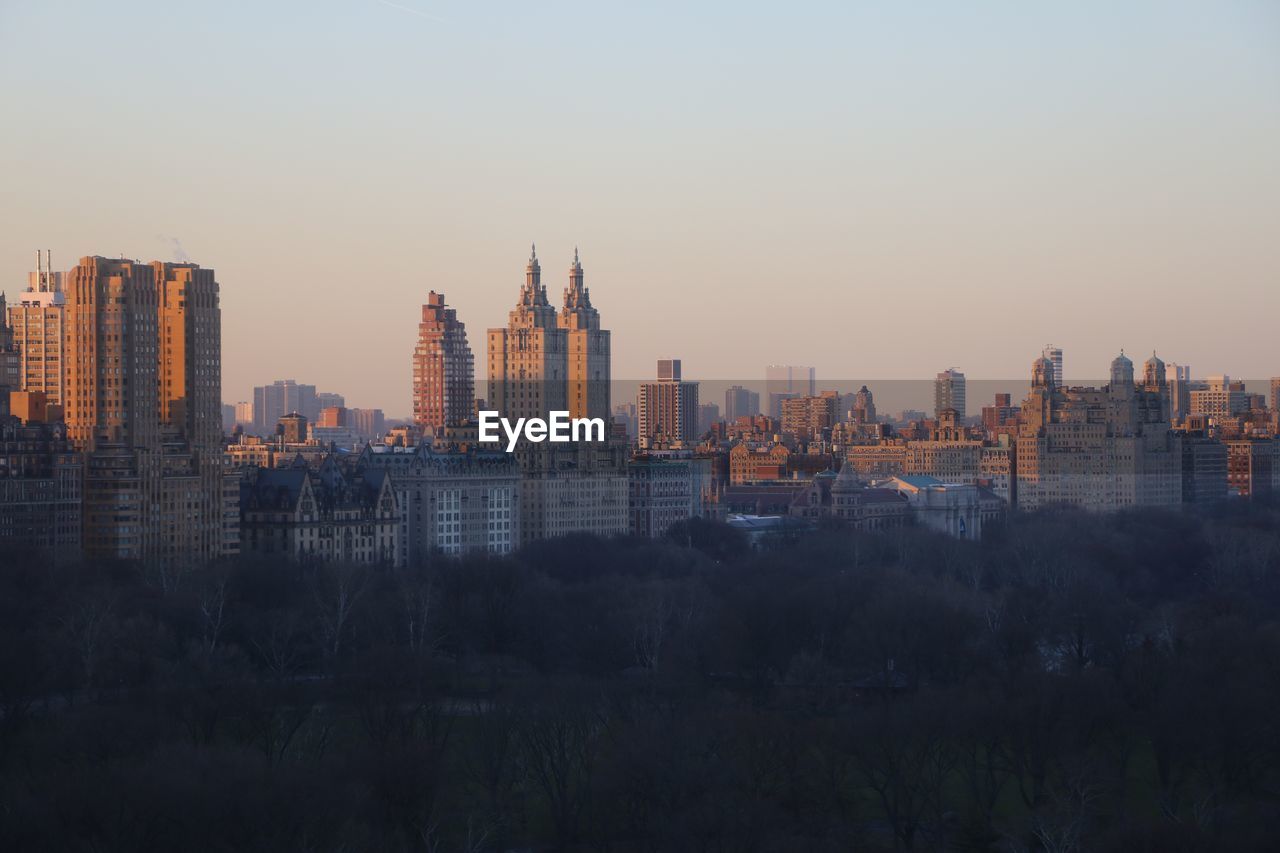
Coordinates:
[282,397]
[244,413]
[1219,397]
[845,500]
[443,368]
[668,409]
[367,423]
[1178,377]
[1054,354]
[40,490]
[708,416]
[565,488]
[665,490]
[37,324]
[863,410]
[528,360]
[1101,449]
[322,513]
[10,362]
[784,381]
[959,510]
[948,393]
[143,388]
[1204,470]
[588,350]
[450,502]
[809,418]
[1251,467]
[740,402]
[749,463]
[1275,395]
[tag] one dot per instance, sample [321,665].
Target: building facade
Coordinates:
[668,409]
[443,368]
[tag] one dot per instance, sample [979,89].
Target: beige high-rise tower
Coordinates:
[542,363]
[142,352]
[587,392]
[528,364]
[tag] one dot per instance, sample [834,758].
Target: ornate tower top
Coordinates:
[576,295]
[533,293]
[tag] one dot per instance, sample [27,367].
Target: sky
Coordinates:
[876,189]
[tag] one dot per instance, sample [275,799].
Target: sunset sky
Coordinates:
[880,190]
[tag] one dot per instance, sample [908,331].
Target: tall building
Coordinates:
[1098,448]
[571,487]
[143,359]
[1275,395]
[37,323]
[863,410]
[1178,378]
[588,350]
[10,362]
[528,360]
[282,397]
[785,381]
[948,393]
[668,409]
[1054,354]
[443,368]
[740,402]
[190,384]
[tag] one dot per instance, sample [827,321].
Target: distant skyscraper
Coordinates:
[1178,377]
[544,362]
[785,381]
[1054,354]
[1275,394]
[244,413]
[528,360]
[443,368]
[282,397]
[740,402]
[948,393]
[37,322]
[668,409]
[863,410]
[588,348]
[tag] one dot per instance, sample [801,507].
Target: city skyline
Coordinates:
[905,185]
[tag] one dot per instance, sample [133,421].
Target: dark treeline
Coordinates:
[1075,683]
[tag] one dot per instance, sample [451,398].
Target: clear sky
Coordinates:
[878,189]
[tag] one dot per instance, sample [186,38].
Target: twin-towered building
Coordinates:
[543,360]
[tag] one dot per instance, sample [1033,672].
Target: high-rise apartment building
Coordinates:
[528,360]
[740,402]
[1098,448]
[1275,395]
[668,409]
[948,393]
[588,350]
[143,365]
[36,319]
[443,369]
[572,487]
[1178,378]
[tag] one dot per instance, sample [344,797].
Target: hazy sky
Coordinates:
[881,190]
